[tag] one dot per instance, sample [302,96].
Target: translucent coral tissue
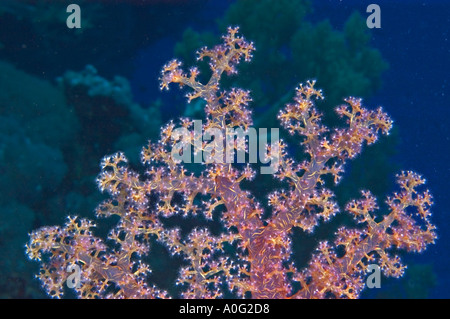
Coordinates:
[261,263]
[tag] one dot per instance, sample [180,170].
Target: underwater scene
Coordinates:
[266,149]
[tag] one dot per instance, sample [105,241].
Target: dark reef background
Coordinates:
[70,96]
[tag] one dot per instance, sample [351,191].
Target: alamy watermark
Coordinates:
[74,19]
[374,19]
[74,279]
[374,279]
[230,145]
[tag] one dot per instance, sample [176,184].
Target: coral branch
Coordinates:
[261,265]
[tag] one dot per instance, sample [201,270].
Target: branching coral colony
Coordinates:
[262,267]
